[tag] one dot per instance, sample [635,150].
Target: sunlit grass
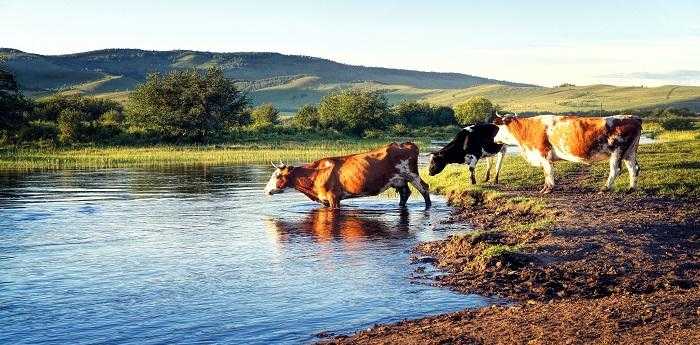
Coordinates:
[113,157]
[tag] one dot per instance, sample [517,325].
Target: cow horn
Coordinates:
[497,114]
[273,165]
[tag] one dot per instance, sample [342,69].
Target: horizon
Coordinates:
[648,44]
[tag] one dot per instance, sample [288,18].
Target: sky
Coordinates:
[540,42]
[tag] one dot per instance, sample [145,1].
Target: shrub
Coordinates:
[264,116]
[70,125]
[399,129]
[13,105]
[354,111]
[38,130]
[474,110]
[677,123]
[50,108]
[111,118]
[419,114]
[306,117]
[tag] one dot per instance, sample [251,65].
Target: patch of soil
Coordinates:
[615,268]
[658,318]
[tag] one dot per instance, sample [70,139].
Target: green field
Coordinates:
[670,166]
[161,156]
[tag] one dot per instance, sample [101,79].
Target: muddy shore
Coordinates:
[581,267]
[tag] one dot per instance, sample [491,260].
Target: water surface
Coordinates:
[200,255]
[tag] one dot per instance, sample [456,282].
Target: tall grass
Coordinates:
[156,156]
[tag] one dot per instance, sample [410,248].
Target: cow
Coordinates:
[330,180]
[471,144]
[547,138]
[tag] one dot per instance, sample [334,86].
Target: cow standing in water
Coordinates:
[470,144]
[330,180]
[544,139]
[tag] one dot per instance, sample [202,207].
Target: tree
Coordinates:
[13,105]
[70,125]
[186,104]
[354,111]
[264,115]
[413,113]
[306,116]
[417,114]
[475,110]
[48,109]
[444,115]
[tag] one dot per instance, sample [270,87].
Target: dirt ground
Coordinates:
[613,269]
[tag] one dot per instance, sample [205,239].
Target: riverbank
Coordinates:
[96,157]
[582,267]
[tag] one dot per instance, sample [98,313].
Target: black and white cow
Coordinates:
[471,144]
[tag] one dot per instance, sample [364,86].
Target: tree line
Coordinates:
[195,106]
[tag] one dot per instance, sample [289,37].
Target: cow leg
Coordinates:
[499,162]
[472,168]
[404,193]
[548,176]
[615,160]
[633,169]
[422,188]
[632,165]
[489,163]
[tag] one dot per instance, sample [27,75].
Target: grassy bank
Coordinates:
[156,156]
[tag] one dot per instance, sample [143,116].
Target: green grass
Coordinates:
[575,98]
[157,156]
[495,250]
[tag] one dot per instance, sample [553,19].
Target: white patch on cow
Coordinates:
[271,186]
[534,157]
[504,136]
[399,179]
[471,161]
[469,128]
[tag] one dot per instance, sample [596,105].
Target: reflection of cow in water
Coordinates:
[330,180]
[325,225]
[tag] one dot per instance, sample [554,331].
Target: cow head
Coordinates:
[503,119]
[438,162]
[279,179]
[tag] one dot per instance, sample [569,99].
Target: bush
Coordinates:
[38,131]
[111,118]
[186,104]
[264,116]
[70,125]
[474,110]
[354,111]
[50,108]
[419,114]
[399,129]
[677,123]
[13,105]
[306,117]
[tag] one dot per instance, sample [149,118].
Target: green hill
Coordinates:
[289,81]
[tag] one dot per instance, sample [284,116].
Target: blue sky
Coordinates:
[544,42]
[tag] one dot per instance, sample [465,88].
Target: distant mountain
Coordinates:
[289,81]
[50,72]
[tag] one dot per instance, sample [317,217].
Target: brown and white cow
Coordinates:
[546,138]
[330,180]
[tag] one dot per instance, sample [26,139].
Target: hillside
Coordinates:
[290,81]
[575,98]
